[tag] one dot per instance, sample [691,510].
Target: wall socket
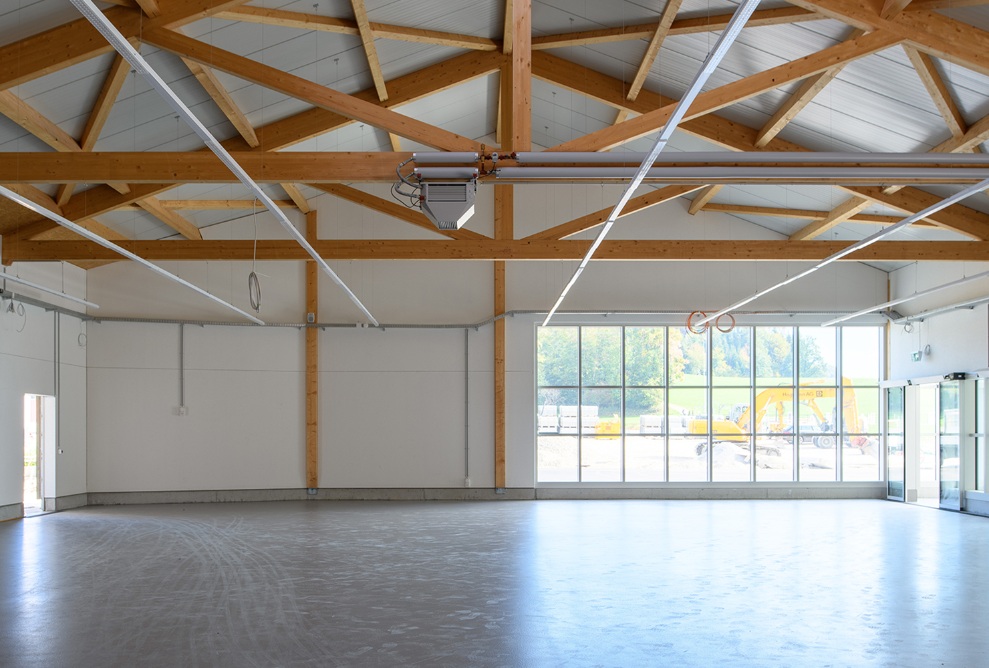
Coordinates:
[180,410]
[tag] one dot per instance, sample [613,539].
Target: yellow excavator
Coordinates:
[769,412]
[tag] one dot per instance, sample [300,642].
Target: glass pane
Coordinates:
[601,355]
[731,415]
[600,411]
[688,411]
[731,459]
[816,413]
[818,352]
[688,358]
[980,441]
[950,441]
[818,457]
[645,459]
[557,459]
[774,458]
[861,412]
[894,410]
[895,463]
[948,419]
[557,356]
[551,403]
[731,357]
[860,458]
[774,410]
[860,355]
[688,458]
[774,355]
[600,459]
[645,355]
[645,411]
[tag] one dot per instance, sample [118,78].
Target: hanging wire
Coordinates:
[253,282]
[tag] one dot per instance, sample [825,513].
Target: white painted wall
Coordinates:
[958,340]
[27,366]
[392,402]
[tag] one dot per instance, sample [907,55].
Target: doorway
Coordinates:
[39,433]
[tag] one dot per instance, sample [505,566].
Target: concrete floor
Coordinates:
[517,583]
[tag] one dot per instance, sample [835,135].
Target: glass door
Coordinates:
[949,431]
[895,432]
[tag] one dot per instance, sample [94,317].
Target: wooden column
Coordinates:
[312,362]
[504,229]
[516,133]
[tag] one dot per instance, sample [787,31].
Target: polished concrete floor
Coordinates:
[517,583]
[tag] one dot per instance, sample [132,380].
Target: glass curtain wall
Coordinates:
[657,404]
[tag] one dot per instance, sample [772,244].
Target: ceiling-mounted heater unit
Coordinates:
[448,204]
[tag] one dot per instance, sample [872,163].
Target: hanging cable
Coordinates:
[253,283]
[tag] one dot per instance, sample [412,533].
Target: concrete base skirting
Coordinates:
[12,512]
[709,491]
[683,491]
[67,502]
[356,494]
[977,503]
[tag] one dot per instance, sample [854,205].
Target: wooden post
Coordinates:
[312,362]
[504,229]
[516,117]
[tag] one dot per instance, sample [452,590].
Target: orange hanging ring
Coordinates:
[690,320]
[717,323]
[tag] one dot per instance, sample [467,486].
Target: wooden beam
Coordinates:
[367,39]
[517,91]
[504,223]
[164,167]
[34,122]
[807,214]
[734,92]
[976,135]
[214,204]
[958,218]
[302,21]
[662,29]
[508,250]
[736,137]
[295,194]
[149,7]
[596,218]
[836,216]
[75,42]
[114,81]
[302,89]
[686,26]
[508,32]
[299,127]
[221,98]
[396,142]
[402,90]
[893,7]
[796,103]
[933,33]
[170,218]
[420,36]
[312,361]
[703,197]
[395,210]
[938,90]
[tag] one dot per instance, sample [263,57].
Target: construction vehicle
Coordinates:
[770,409]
